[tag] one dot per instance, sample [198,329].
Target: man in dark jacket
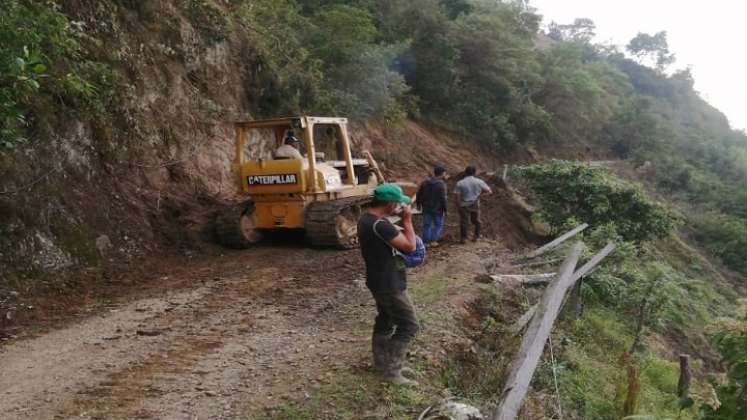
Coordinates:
[431,199]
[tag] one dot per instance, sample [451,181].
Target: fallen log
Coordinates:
[527,279]
[537,263]
[594,261]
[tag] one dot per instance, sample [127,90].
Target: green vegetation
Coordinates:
[209,20]
[593,372]
[650,288]
[568,191]
[347,397]
[725,236]
[323,60]
[730,338]
[41,61]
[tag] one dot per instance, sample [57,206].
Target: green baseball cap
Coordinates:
[391,192]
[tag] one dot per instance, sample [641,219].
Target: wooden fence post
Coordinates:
[576,300]
[559,240]
[683,385]
[533,342]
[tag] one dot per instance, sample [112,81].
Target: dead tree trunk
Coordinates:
[643,312]
[634,390]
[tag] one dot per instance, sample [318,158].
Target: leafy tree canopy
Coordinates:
[653,48]
[575,191]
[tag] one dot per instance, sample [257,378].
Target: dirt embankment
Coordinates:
[505,216]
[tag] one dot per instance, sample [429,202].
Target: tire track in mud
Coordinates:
[178,353]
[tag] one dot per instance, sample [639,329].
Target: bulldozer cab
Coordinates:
[327,165]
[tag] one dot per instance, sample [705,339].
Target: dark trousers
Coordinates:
[469,214]
[395,314]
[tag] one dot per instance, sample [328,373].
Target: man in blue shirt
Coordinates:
[468,191]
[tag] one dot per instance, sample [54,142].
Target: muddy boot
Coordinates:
[396,357]
[379,349]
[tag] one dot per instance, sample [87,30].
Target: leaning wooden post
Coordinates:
[576,300]
[533,343]
[683,385]
[541,250]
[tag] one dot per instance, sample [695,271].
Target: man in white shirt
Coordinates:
[468,191]
[289,149]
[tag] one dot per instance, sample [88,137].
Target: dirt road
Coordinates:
[201,352]
[256,328]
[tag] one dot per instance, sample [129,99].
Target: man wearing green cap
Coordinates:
[396,323]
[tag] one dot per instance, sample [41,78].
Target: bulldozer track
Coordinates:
[334,223]
[227,226]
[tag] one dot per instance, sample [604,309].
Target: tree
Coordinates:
[581,30]
[455,8]
[651,49]
[358,71]
[341,32]
[581,96]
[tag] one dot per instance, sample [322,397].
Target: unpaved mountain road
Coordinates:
[245,332]
[203,352]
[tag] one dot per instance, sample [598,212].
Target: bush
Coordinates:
[40,55]
[574,191]
[726,237]
[209,20]
[730,339]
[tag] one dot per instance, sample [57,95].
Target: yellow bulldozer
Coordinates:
[318,188]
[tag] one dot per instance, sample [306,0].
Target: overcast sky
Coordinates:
[711,37]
